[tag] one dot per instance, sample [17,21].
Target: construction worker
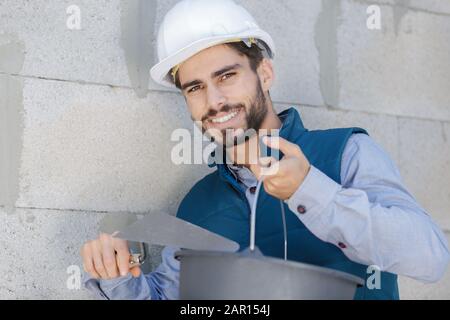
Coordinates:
[347,207]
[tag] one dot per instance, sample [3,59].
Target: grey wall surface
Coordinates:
[84,132]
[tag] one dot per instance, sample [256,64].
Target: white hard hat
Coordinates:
[194,25]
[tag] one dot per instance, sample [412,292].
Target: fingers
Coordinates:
[88,265]
[108,255]
[98,260]
[122,255]
[135,272]
[288,148]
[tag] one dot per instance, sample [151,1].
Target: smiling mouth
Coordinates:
[226,118]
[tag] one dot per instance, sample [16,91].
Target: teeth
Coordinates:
[225,118]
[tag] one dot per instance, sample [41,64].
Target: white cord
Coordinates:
[253,220]
[283,216]
[253,215]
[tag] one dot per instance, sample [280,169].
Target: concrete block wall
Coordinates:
[85,133]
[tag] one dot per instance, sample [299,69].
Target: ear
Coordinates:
[266,74]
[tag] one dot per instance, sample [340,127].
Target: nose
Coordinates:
[215,98]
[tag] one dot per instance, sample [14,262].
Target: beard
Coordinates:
[258,110]
[254,118]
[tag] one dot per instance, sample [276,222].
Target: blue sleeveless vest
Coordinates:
[218,203]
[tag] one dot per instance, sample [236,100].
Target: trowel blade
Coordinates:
[166,230]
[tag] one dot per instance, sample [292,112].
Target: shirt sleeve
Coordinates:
[161,284]
[371,216]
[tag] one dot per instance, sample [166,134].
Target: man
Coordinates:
[346,205]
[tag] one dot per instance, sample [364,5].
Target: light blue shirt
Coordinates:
[371,215]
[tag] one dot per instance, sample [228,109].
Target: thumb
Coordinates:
[135,272]
[288,148]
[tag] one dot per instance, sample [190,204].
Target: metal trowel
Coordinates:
[166,230]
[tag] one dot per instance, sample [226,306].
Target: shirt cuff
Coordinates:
[120,288]
[93,285]
[313,196]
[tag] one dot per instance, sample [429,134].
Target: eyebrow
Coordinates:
[213,75]
[225,69]
[190,84]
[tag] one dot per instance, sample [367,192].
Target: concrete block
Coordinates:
[11,127]
[431,6]
[91,54]
[401,69]
[115,44]
[38,246]
[100,148]
[425,165]
[434,6]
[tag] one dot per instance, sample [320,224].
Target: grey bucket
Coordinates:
[236,276]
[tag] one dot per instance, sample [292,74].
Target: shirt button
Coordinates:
[342,245]
[252,190]
[301,209]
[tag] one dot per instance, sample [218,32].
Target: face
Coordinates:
[224,94]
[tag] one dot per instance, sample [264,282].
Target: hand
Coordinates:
[107,258]
[282,178]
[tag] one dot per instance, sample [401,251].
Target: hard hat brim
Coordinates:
[160,72]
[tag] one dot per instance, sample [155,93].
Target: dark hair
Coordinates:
[254,55]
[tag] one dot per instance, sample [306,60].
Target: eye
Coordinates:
[193,89]
[227,76]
